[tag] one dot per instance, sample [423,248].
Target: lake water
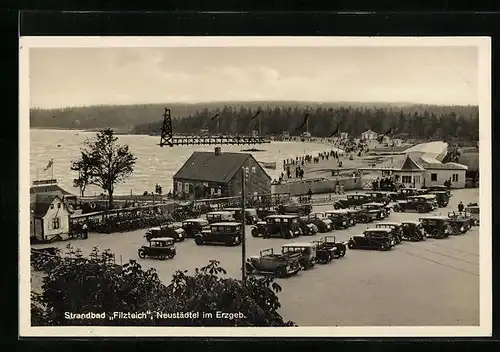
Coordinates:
[154,164]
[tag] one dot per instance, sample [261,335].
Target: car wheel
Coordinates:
[249,268]
[162,257]
[255,233]
[171,255]
[336,206]
[280,272]
[141,253]
[351,244]
[342,253]
[300,213]
[436,234]
[198,241]
[383,247]
[421,209]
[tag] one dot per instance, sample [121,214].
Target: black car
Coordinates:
[161,248]
[340,218]
[396,230]
[420,204]
[382,196]
[284,226]
[404,193]
[251,217]
[442,198]
[373,238]
[294,208]
[228,233]
[192,227]
[352,200]
[174,231]
[322,222]
[378,210]
[413,231]
[436,226]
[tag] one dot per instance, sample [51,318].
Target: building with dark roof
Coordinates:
[208,174]
[49,217]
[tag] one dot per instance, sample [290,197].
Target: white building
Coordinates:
[49,217]
[369,135]
[424,171]
[344,135]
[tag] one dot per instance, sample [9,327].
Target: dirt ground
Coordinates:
[434,283]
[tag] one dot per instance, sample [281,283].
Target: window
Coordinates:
[56,223]
[254,169]
[58,205]
[455,178]
[416,179]
[406,179]
[434,177]
[52,206]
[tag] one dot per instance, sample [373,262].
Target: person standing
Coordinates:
[460,207]
[85,231]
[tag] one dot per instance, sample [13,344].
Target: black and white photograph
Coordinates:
[255,186]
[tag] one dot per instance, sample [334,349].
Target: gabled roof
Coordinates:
[42,203]
[370,132]
[206,166]
[410,164]
[49,189]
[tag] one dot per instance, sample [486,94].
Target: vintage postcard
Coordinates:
[255,186]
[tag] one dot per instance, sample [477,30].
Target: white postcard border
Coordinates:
[484,62]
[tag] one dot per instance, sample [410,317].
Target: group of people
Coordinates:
[383,184]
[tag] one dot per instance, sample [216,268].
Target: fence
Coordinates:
[299,188]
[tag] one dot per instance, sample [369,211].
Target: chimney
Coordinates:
[217,150]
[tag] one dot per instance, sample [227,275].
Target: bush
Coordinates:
[78,285]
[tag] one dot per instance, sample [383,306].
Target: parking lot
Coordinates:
[435,282]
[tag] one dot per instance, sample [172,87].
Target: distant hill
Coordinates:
[126,117]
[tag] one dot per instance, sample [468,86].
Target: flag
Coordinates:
[49,165]
[215,116]
[389,131]
[303,123]
[335,132]
[256,114]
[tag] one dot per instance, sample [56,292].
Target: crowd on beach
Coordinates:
[294,168]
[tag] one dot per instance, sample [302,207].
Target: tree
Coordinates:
[95,284]
[84,167]
[109,163]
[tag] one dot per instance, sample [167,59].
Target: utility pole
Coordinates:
[244,171]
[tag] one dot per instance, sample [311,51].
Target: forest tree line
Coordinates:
[323,122]
[125,118]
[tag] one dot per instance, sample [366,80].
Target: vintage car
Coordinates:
[382,196]
[380,210]
[461,222]
[404,193]
[324,254]
[442,198]
[219,216]
[353,216]
[306,251]
[294,208]
[339,248]
[438,188]
[473,210]
[279,265]
[160,247]
[259,228]
[421,204]
[174,231]
[194,226]
[263,213]
[228,233]
[413,231]
[397,230]
[251,217]
[307,227]
[436,226]
[352,200]
[340,218]
[322,222]
[284,226]
[372,238]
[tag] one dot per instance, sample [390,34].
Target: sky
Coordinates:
[65,77]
